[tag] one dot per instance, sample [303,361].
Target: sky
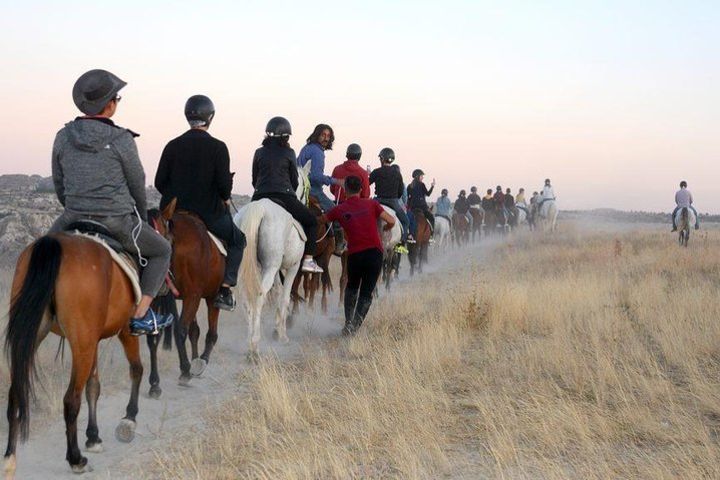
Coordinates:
[615,101]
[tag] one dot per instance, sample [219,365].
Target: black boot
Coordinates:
[351,297]
[363,306]
[225,299]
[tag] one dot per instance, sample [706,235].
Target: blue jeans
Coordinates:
[324,200]
[394,203]
[697,217]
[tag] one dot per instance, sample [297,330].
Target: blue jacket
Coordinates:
[314,152]
[443,206]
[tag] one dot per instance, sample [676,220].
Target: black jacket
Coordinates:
[388,182]
[195,169]
[417,191]
[474,199]
[461,205]
[274,170]
[509,201]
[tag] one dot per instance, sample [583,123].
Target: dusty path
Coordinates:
[180,409]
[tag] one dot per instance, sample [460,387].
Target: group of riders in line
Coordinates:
[98,176]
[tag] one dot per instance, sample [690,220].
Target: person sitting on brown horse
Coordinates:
[98,177]
[474,199]
[462,207]
[510,209]
[275,176]
[195,169]
[417,197]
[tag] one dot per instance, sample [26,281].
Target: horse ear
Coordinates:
[169,210]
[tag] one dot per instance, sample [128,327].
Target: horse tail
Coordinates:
[249,268]
[684,216]
[27,309]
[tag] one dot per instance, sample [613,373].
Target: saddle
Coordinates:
[218,243]
[98,233]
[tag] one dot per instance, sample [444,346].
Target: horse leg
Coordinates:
[307,289]
[92,392]
[83,355]
[283,304]
[199,364]
[125,431]
[194,337]
[294,292]
[255,316]
[189,310]
[152,342]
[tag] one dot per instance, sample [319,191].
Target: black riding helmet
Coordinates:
[417,172]
[354,152]
[462,193]
[387,154]
[444,191]
[473,189]
[278,127]
[683,184]
[199,111]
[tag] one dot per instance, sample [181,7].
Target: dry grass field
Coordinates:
[579,356]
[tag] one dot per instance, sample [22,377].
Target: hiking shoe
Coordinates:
[431,241]
[411,239]
[348,330]
[225,300]
[150,324]
[309,266]
[401,249]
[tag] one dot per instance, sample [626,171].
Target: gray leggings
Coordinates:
[152,245]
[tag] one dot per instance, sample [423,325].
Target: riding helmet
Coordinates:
[473,189]
[683,184]
[278,127]
[199,110]
[354,152]
[94,90]
[462,193]
[417,172]
[444,191]
[387,154]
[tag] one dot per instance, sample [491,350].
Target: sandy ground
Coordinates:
[179,410]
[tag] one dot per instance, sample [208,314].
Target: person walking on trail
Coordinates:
[359,216]
[389,191]
[443,206]
[275,176]
[98,176]
[195,169]
[320,140]
[684,199]
[417,197]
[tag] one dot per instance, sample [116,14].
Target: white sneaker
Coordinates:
[310,266]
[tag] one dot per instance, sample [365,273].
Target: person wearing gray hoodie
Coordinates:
[98,176]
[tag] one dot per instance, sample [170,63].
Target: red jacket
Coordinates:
[347,168]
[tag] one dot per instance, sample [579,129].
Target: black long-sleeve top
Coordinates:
[195,169]
[417,193]
[388,182]
[274,170]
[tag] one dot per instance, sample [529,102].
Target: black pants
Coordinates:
[430,218]
[299,212]
[363,271]
[224,228]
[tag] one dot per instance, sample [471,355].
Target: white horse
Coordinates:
[390,239]
[522,210]
[684,219]
[442,232]
[274,251]
[548,215]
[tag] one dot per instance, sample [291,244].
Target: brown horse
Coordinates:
[198,268]
[461,228]
[477,216]
[68,285]
[419,250]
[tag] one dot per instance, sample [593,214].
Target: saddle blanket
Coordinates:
[218,243]
[123,260]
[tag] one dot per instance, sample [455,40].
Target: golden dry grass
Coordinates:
[551,358]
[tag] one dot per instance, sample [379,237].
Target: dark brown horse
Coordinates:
[312,282]
[419,250]
[477,216]
[198,267]
[461,229]
[68,285]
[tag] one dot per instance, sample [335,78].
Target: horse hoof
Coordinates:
[125,431]
[197,367]
[94,447]
[253,358]
[184,380]
[82,467]
[155,392]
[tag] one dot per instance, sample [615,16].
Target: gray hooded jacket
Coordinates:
[96,169]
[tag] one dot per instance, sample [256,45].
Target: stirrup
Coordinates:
[401,249]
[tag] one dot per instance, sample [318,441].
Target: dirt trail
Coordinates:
[180,409]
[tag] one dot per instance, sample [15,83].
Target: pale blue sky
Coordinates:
[615,101]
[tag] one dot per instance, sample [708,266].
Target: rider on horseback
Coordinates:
[510,205]
[320,140]
[462,207]
[520,198]
[474,199]
[358,216]
[275,176]
[548,194]
[488,203]
[351,166]
[684,199]
[417,194]
[389,189]
[195,169]
[443,206]
[98,177]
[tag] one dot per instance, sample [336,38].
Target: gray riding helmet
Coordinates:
[94,90]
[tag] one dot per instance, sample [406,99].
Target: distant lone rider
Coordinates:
[683,198]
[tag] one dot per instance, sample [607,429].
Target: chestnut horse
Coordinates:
[71,286]
[461,228]
[419,250]
[198,268]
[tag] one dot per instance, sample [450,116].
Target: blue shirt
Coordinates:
[315,153]
[443,206]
